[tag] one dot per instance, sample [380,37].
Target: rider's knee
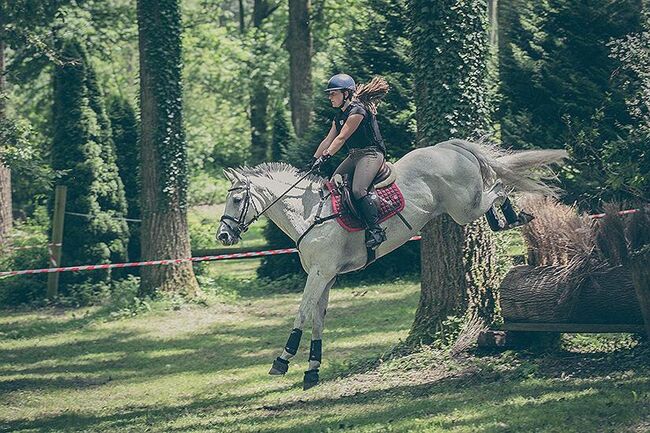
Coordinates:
[359,193]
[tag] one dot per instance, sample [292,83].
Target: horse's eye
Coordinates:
[236,199]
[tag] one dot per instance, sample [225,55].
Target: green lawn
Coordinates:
[203,368]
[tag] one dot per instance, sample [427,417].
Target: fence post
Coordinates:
[55,246]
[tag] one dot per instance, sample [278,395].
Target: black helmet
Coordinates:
[341,82]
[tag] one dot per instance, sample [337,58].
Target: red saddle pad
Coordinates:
[392,202]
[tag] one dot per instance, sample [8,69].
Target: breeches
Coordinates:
[362,166]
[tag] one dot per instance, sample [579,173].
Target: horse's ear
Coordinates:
[230,174]
[237,175]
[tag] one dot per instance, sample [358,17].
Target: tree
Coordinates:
[125,136]
[18,19]
[281,137]
[82,149]
[259,101]
[164,170]
[5,173]
[559,88]
[299,45]
[450,58]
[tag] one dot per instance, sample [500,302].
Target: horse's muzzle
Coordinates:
[225,237]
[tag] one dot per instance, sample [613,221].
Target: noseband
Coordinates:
[242,226]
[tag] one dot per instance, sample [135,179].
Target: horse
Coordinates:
[460,178]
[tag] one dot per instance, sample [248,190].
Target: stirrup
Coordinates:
[375,237]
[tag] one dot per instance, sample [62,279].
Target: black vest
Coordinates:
[367,133]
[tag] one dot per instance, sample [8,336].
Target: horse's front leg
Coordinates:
[317,281]
[316,347]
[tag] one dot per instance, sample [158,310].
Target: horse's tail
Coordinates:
[525,171]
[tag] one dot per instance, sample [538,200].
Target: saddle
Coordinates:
[392,200]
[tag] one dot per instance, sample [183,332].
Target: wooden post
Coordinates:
[57,239]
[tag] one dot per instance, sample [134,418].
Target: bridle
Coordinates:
[242,225]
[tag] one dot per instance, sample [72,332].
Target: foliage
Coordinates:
[82,147]
[21,151]
[124,128]
[379,46]
[450,65]
[207,190]
[30,239]
[215,99]
[559,88]
[629,169]
[160,61]
[281,134]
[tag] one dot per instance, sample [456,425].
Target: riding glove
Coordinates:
[319,162]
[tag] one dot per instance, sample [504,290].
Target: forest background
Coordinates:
[564,74]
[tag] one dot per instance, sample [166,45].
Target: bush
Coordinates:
[23,289]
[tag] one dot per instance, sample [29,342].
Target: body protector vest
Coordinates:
[367,134]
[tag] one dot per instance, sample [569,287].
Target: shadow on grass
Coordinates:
[223,348]
[484,401]
[528,395]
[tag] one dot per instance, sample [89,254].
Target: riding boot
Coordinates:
[369,207]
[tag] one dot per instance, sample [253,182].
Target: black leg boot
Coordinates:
[369,207]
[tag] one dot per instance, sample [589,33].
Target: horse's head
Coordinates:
[240,209]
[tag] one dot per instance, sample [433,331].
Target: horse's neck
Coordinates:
[293,213]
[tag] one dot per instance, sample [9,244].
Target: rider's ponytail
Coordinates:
[371,93]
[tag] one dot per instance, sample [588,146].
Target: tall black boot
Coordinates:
[369,207]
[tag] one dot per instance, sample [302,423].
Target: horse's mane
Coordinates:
[275,170]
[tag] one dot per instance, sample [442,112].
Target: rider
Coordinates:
[355,126]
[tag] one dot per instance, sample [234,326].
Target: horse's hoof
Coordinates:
[310,380]
[280,367]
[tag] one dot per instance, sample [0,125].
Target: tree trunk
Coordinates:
[165,233]
[242,17]
[493,8]
[538,295]
[299,44]
[458,263]
[259,92]
[458,276]
[5,174]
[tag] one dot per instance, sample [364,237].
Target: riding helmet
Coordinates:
[341,82]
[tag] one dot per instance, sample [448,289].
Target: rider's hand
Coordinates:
[310,164]
[319,162]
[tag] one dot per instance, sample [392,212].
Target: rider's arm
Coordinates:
[326,141]
[351,125]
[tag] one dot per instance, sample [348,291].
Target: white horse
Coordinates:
[455,177]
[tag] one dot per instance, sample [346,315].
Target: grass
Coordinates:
[203,367]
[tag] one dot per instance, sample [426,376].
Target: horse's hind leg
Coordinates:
[316,347]
[317,281]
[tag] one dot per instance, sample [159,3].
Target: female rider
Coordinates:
[355,127]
